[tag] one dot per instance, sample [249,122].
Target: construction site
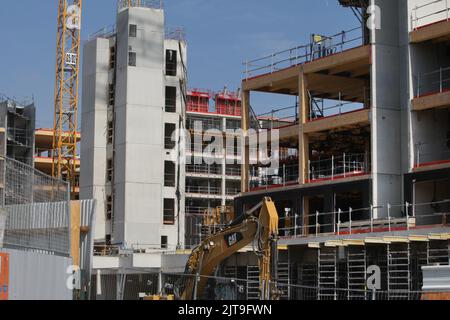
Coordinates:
[147,189]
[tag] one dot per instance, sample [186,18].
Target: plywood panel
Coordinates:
[339,121]
[431,32]
[75,229]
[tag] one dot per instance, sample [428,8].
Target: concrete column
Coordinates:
[246,150]
[224,166]
[385,113]
[303,140]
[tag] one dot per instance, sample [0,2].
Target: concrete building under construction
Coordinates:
[133,78]
[213,183]
[364,175]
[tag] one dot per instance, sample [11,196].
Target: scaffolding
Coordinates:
[228,103]
[327,273]
[356,273]
[398,270]
[198,100]
[253,292]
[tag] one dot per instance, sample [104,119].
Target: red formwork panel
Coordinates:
[228,103]
[198,101]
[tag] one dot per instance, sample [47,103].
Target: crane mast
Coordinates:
[66,91]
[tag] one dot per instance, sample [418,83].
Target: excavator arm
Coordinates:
[259,227]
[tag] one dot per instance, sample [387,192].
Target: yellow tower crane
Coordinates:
[66,91]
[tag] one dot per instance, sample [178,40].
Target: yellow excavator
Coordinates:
[259,226]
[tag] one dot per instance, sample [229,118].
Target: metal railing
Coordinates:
[204,169]
[22,184]
[429,13]
[196,211]
[278,118]
[13,101]
[231,288]
[235,172]
[319,108]
[207,123]
[338,167]
[430,153]
[319,47]
[232,191]
[267,177]
[437,81]
[175,33]
[106,32]
[152,4]
[372,219]
[204,190]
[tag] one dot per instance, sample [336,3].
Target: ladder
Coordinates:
[284,280]
[327,270]
[356,273]
[398,271]
[253,292]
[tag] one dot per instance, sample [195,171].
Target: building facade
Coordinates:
[364,175]
[214,181]
[133,77]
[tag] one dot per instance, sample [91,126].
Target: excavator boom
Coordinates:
[259,227]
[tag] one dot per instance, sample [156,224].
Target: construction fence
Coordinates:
[22,184]
[135,286]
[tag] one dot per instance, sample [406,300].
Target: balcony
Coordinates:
[233,172]
[230,191]
[319,47]
[203,170]
[267,178]
[432,90]
[203,191]
[430,21]
[339,167]
[351,221]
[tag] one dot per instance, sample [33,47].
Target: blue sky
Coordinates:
[221,35]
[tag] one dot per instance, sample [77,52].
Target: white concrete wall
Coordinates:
[172,231]
[430,130]
[138,184]
[94,127]
[386,109]
[139,166]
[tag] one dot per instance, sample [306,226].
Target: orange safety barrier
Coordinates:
[4,276]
